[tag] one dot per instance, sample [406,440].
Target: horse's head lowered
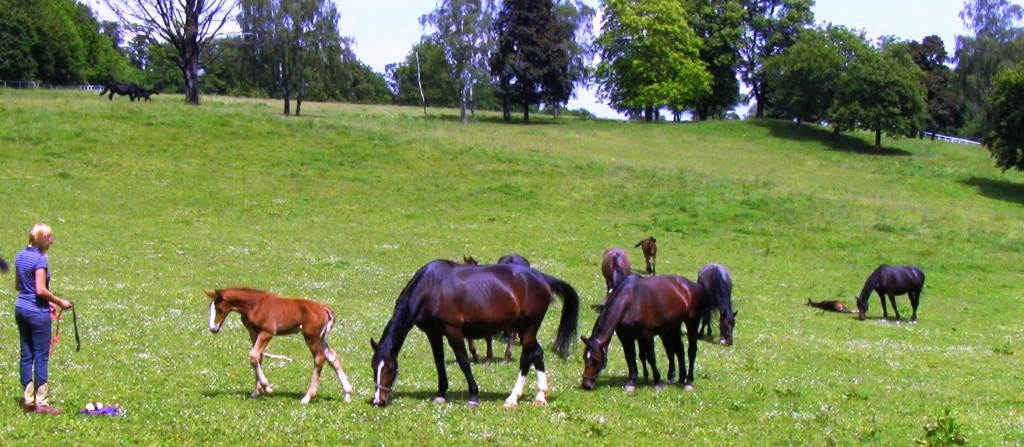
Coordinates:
[385,374]
[219,309]
[595,357]
[726,323]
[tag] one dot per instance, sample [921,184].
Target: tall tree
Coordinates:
[463,29]
[997,44]
[1005,137]
[945,108]
[290,44]
[426,65]
[771,26]
[650,58]
[531,59]
[881,91]
[576,20]
[803,79]
[719,25]
[187,25]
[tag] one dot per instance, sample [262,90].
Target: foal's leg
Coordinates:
[332,358]
[669,342]
[437,347]
[472,350]
[456,341]
[316,348]
[490,349]
[511,338]
[256,360]
[643,363]
[647,350]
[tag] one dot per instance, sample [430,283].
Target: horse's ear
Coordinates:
[211,293]
[809,301]
[373,344]
[735,313]
[584,338]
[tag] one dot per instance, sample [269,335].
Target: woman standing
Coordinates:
[32,312]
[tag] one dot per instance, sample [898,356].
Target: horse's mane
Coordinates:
[614,302]
[721,289]
[407,306]
[871,283]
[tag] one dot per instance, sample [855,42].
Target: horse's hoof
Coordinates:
[254,394]
[688,387]
[438,400]
[473,404]
[629,388]
[511,404]
[305,400]
[268,390]
[348,397]
[659,387]
[540,402]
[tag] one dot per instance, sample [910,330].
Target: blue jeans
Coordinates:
[34,326]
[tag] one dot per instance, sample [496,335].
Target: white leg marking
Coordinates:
[513,399]
[542,386]
[213,318]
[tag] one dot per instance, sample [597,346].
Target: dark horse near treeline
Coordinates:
[891,281]
[637,310]
[717,284]
[266,315]
[454,301]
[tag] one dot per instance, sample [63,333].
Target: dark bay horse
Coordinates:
[638,309]
[830,306]
[649,246]
[891,281]
[265,315]
[445,299]
[119,89]
[509,336]
[615,267]
[717,284]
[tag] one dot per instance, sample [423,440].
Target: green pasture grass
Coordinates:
[154,202]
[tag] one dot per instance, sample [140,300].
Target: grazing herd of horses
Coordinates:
[463,302]
[132,91]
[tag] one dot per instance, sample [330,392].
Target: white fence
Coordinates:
[32,85]
[951,139]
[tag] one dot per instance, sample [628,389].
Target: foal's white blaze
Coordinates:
[376,390]
[213,318]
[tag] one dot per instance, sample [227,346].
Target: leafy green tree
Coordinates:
[650,57]
[997,44]
[576,20]
[945,107]
[531,59]
[17,41]
[881,91]
[719,25]
[426,65]
[463,29]
[1005,138]
[771,26]
[803,77]
[187,25]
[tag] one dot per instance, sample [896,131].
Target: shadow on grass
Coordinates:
[997,189]
[544,120]
[320,395]
[452,397]
[846,143]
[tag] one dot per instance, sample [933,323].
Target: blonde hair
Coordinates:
[38,234]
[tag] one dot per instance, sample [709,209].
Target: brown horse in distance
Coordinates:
[649,245]
[831,306]
[265,315]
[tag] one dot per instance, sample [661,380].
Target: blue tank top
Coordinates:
[25,264]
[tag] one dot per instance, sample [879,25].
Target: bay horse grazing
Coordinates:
[445,299]
[717,284]
[509,336]
[615,267]
[265,315]
[649,246]
[891,281]
[830,306]
[638,309]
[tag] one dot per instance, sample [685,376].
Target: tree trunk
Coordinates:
[648,114]
[526,113]
[702,113]
[759,104]
[298,105]
[192,78]
[799,121]
[878,139]
[287,103]
[835,134]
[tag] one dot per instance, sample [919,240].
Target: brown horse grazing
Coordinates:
[615,267]
[717,284]
[891,281]
[265,315]
[649,245]
[830,306]
[509,336]
[448,300]
[638,309]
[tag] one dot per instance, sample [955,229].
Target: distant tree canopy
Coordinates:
[1005,126]
[771,26]
[945,106]
[56,42]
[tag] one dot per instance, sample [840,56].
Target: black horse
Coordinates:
[717,284]
[454,301]
[119,89]
[891,281]
[3,266]
[141,93]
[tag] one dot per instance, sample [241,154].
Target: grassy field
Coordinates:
[152,203]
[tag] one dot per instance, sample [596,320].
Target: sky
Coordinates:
[385,30]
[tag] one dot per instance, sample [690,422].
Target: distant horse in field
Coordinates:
[638,309]
[615,267]
[141,93]
[265,315]
[717,284]
[892,281]
[831,306]
[119,89]
[3,266]
[649,245]
[449,300]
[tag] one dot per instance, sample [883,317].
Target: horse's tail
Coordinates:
[570,314]
[327,327]
[3,266]
[639,243]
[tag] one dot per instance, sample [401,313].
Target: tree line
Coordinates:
[522,56]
